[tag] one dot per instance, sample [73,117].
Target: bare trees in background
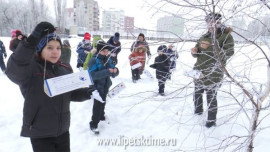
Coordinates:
[246,85]
[59,9]
[25,15]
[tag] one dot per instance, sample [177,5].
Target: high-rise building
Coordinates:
[86,14]
[170,24]
[129,24]
[69,16]
[113,20]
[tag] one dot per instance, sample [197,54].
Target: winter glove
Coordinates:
[194,50]
[40,30]
[96,96]
[91,89]
[114,74]
[5,55]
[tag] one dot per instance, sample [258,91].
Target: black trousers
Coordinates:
[2,64]
[141,69]
[135,74]
[98,112]
[161,85]
[114,59]
[211,97]
[52,144]
[79,65]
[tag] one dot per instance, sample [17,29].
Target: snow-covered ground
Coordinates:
[140,120]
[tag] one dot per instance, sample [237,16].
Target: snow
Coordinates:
[138,113]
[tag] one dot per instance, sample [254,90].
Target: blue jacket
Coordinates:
[99,69]
[80,50]
[173,55]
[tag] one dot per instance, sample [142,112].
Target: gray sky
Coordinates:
[133,8]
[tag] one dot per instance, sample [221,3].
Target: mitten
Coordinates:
[42,29]
[115,74]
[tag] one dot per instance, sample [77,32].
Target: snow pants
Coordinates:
[211,97]
[98,112]
[135,74]
[161,85]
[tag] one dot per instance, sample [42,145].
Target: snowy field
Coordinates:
[142,121]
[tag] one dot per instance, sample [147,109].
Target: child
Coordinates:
[162,66]
[13,37]
[137,60]
[46,120]
[15,42]
[65,52]
[92,52]
[83,49]
[116,46]
[101,69]
[173,55]
[141,41]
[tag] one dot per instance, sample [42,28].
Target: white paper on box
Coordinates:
[69,82]
[136,66]
[196,74]
[148,74]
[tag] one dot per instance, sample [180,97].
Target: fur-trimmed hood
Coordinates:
[228,29]
[222,30]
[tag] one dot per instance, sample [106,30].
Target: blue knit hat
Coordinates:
[43,42]
[116,37]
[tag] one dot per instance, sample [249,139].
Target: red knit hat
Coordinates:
[87,36]
[18,33]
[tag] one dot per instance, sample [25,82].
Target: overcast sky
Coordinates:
[134,8]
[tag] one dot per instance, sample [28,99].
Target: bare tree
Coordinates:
[34,12]
[15,16]
[60,6]
[249,92]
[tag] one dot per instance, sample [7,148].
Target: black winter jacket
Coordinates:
[43,116]
[116,48]
[15,44]
[162,66]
